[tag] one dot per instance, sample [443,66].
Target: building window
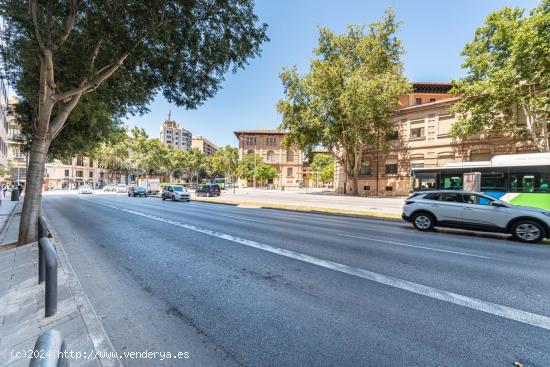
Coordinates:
[365,169]
[393,135]
[432,99]
[80,174]
[250,152]
[79,160]
[289,156]
[91,163]
[391,168]
[417,133]
[250,140]
[270,141]
[419,101]
[270,156]
[289,172]
[91,175]
[66,173]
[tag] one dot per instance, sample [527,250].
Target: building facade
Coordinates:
[204,145]
[268,144]
[17,159]
[422,139]
[4,109]
[72,173]
[178,137]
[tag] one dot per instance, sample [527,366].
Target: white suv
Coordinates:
[475,211]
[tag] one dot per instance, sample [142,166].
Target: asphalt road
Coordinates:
[257,287]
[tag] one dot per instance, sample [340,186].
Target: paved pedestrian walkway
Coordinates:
[22,317]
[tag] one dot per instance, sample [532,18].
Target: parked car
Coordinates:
[476,211]
[85,189]
[175,192]
[137,191]
[109,187]
[121,188]
[208,190]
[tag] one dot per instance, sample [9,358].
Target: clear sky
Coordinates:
[433,33]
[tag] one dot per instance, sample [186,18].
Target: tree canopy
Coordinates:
[322,167]
[78,62]
[252,166]
[508,74]
[347,97]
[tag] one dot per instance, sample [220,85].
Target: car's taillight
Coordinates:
[409,202]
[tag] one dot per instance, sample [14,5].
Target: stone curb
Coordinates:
[100,340]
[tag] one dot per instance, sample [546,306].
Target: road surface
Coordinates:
[258,287]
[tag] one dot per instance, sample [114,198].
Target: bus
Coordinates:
[519,179]
[220,182]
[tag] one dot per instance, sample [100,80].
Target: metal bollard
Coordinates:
[43,231]
[47,350]
[50,260]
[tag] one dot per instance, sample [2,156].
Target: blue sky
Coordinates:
[433,33]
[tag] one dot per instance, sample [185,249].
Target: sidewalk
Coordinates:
[22,317]
[312,201]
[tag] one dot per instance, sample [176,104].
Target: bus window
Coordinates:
[494,181]
[452,182]
[522,182]
[425,181]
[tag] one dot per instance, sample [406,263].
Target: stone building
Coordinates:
[172,134]
[422,139]
[204,145]
[16,156]
[268,145]
[72,173]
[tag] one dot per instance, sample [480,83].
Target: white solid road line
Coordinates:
[415,246]
[442,295]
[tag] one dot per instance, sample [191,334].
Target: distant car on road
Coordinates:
[121,188]
[476,211]
[137,191]
[85,189]
[175,192]
[109,188]
[208,190]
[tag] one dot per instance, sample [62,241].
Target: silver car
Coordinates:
[121,188]
[175,192]
[85,189]
[476,211]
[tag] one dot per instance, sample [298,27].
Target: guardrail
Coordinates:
[49,350]
[47,267]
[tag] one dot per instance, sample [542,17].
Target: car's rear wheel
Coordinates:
[423,221]
[528,231]
[163,198]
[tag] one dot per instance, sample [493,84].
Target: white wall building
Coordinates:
[178,137]
[71,173]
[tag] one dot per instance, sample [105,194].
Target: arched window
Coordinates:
[289,156]
[270,156]
[250,152]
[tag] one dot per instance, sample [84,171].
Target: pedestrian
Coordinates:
[2,195]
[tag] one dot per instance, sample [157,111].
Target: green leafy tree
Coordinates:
[68,57]
[348,96]
[252,166]
[226,161]
[323,167]
[197,163]
[508,64]
[114,156]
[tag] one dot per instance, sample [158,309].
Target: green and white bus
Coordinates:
[520,179]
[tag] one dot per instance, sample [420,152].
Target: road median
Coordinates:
[299,208]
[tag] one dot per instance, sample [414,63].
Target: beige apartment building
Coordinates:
[72,173]
[268,145]
[172,134]
[17,159]
[422,139]
[204,145]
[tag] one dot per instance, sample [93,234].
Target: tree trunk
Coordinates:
[33,190]
[354,184]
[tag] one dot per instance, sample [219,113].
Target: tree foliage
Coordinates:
[323,164]
[226,161]
[347,97]
[58,52]
[508,65]
[252,166]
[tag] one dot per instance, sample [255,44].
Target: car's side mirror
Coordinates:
[499,204]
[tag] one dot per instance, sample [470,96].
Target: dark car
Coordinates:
[137,191]
[208,190]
